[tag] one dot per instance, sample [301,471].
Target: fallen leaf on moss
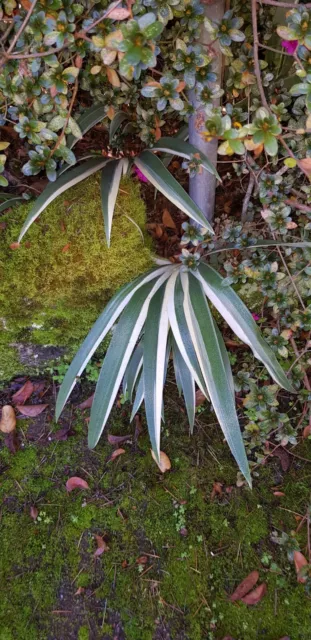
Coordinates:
[245,586]
[279,494]
[34,512]
[79,591]
[255,596]
[101,546]
[15,245]
[142,560]
[23,393]
[217,490]
[31,410]
[300,561]
[164,464]
[87,403]
[283,456]
[115,454]
[76,483]
[66,248]
[8,419]
[118,439]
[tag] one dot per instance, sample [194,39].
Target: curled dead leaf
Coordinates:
[87,403]
[76,483]
[8,419]
[300,561]
[101,546]
[31,410]
[164,464]
[34,512]
[245,586]
[255,596]
[115,454]
[23,393]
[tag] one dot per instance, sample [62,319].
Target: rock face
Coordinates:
[53,287]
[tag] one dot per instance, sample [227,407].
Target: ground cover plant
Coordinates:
[101,98]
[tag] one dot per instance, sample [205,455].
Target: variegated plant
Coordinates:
[167,311]
[112,170]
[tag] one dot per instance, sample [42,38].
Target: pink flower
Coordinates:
[256,317]
[290,46]
[140,175]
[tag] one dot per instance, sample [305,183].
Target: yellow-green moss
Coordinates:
[55,284]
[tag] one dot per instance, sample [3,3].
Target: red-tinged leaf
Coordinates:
[300,561]
[34,512]
[66,248]
[31,410]
[76,483]
[101,546]
[255,596]
[119,14]
[168,220]
[24,393]
[115,454]
[87,403]
[181,86]
[305,166]
[283,456]
[245,586]
[307,431]
[118,439]
[15,245]
[279,494]
[113,77]
[62,434]
[79,591]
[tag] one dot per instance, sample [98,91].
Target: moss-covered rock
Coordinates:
[55,284]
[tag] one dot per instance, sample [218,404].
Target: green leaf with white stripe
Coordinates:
[209,353]
[162,179]
[98,332]
[225,358]
[110,182]
[139,397]
[185,379]
[132,372]
[240,320]
[156,332]
[55,189]
[178,147]
[89,119]
[118,355]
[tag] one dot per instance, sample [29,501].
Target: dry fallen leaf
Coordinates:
[300,561]
[34,512]
[164,464]
[118,439]
[217,490]
[168,220]
[199,397]
[142,560]
[87,403]
[23,393]
[283,456]
[307,431]
[115,454]
[255,596]
[76,483]
[279,494]
[8,419]
[245,586]
[113,77]
[79,591]
[101,546]
[305,166]
[31,410]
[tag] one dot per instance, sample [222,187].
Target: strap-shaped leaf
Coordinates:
[185,379]
[139,397]
[181,332]
[54,189]
[99,330]
[262,244]
[184,149]
[162,179]
[89,119]
[155,343]
[118,355]
[11,201]
[116,123]
[110,182]
[225,358]
[238,317]
[209,353]
[132,372]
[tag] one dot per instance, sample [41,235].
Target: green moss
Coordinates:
[53,287]
[188,574]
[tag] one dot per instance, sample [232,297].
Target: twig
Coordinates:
[247,197]
[256,57]
[37,54]
[22,27]
[282,53]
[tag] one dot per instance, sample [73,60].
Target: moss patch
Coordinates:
[53,287]
[174,553]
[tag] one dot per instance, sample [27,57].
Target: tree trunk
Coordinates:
[203,185]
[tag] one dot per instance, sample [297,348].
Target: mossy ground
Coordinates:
[53,287]
[196,549]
